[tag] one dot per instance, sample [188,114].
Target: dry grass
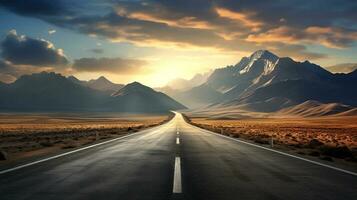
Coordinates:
[30,135]
[327,136]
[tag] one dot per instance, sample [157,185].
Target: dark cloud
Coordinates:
[5,67]
[114,65]
[22,50]
[36,7]
[10,72]
[97,51]
[298,13]
[7,72]
[222,24]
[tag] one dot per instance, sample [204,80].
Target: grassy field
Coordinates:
[327,138]
[28,135]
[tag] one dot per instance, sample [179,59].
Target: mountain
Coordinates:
[184,84]
[262,68]
[264,82]
[102,84]
[177,88]
[54,92]
[198,96]
[47,91]
[75,80]
[136,97]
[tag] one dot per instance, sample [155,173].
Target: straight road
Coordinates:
[176,161]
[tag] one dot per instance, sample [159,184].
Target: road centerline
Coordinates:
[177,140]
[177,187]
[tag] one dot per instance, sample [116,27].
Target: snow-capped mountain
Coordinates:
[251,78]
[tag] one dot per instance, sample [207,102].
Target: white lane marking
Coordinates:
[177,140]
[177,188]
[177,133]
[67,153]
[282,153]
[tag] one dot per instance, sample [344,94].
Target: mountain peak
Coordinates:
[42,76]
[135,84]
[102,78]
[133,87]
[253,63]
[73,78]
[263,54]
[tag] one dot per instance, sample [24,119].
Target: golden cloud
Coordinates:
[244,18]
[327,36]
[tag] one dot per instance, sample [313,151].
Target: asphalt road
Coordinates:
[154,164]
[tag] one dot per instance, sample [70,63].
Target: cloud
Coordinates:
[326,36]
[5,67]
[224,25]
[23,50]
[343,68]
[240,17]
[113,65]
[10,72]
[36,7]
[96,50]
[7,72]
[51,31]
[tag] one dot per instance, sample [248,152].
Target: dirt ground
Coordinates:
[327,138]
[24,136]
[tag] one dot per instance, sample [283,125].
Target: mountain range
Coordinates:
[102,84]
[180,84]
[54,92]
[264,82]
[258,84]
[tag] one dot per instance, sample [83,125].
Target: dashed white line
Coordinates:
[177,187]
[177,140]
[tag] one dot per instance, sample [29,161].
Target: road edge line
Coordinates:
[4,171]
[64,154]
[279,152]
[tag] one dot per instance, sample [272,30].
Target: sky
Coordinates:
[154,42]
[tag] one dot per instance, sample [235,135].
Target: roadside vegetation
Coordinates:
[326,138]
[26,136]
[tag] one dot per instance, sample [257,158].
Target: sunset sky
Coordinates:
[155,41]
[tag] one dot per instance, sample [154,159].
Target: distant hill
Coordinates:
[136,97]
[102,84]
[177,88]
[315,109]
[54,92]
[199,96]
[47,91]
[184,84]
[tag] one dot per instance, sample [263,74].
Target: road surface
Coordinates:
[176,161]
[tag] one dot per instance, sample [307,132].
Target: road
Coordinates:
[154,164]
